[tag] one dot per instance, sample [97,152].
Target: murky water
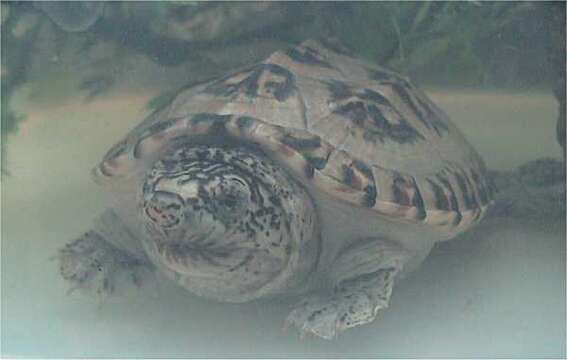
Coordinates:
[497,291]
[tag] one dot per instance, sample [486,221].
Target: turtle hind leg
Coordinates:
[365,277]
[92,263]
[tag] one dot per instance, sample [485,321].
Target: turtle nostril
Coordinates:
[164,209]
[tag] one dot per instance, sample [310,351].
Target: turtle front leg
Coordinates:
[364,276]
[96,261]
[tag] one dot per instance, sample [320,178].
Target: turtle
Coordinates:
[312,174]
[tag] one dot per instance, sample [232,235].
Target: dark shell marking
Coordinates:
[366,108]
[453,196]
[309,56]
[422,108]
[267,80]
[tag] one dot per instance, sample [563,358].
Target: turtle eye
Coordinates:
[231,200]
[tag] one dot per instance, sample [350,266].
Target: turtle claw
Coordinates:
[90,263]
[314,317]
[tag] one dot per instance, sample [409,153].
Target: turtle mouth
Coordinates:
[200,256]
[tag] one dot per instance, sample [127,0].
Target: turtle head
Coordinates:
[227,223]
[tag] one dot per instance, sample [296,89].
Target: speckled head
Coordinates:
[228,223]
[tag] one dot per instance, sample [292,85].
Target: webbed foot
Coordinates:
[91,263]
[355,302]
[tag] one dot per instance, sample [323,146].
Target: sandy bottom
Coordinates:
[498,291]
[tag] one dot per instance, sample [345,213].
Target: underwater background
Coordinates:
[77,75]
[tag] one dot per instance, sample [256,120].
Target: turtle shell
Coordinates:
[356,131]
